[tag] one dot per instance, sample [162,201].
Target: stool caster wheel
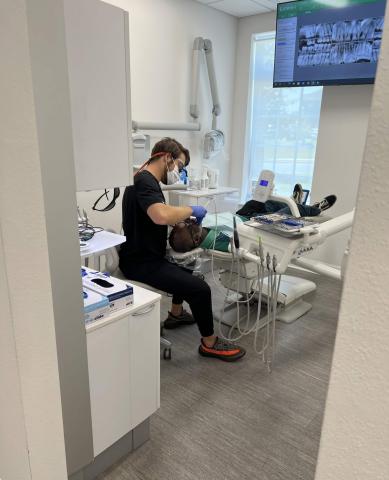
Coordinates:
[167,353]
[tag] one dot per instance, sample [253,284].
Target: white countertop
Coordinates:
[101,241]
[209,192]
[142,298]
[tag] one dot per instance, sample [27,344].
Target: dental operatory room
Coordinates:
[194,240]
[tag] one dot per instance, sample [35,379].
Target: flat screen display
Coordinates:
[327,42]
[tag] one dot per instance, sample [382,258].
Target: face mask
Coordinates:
[173,176]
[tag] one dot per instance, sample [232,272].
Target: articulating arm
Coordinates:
[204,45]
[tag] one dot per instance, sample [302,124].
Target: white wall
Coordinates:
[341,139]
[355,436]
[247,27]
[340,146]
[161,39]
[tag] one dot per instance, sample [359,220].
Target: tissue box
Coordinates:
[96,306]
[119,293]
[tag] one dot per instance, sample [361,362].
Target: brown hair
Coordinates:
[185,151]
[166,145]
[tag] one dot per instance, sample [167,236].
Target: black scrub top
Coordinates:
[146,241]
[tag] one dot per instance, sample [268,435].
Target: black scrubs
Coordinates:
[142,256]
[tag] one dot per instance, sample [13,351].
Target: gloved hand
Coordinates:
[199,212]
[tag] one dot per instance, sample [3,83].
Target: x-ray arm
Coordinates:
[201,45]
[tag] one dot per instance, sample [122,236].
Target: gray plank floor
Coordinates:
[221,421]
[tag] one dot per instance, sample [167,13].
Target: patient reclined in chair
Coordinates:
[187,235]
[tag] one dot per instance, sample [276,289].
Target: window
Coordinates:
[282,125]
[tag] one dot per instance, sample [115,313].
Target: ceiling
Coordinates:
[242,8]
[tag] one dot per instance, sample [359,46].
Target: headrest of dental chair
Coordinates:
[183,256]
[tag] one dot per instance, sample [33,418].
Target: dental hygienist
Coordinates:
[142,257]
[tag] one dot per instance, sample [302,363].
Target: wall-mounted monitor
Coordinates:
[327,42]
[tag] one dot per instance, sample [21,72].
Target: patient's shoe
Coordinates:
[226,351]
[174,321]
[298,194]
[326,203]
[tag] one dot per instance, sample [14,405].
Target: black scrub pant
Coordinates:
[179,282]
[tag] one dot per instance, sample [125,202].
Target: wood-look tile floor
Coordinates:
[221,421]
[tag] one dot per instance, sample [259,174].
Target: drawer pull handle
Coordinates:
[145,311]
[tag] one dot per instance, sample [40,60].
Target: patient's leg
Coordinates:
[305,211]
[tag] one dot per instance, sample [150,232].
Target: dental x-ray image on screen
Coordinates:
[341,42]
[327,42]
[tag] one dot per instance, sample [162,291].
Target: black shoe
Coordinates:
[326,203]
[174,321]
[298,194]
[226,351]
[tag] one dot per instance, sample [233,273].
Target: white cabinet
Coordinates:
[97,43]
[109,381]
[124,369]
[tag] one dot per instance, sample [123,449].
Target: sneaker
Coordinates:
[174,321]
[298,193]
[326,203]
[226,351]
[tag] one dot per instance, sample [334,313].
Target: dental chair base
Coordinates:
[290,303]
[293,312]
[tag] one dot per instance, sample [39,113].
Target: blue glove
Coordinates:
[199,212]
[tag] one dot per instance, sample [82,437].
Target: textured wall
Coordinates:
[33,383]
[355,437]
